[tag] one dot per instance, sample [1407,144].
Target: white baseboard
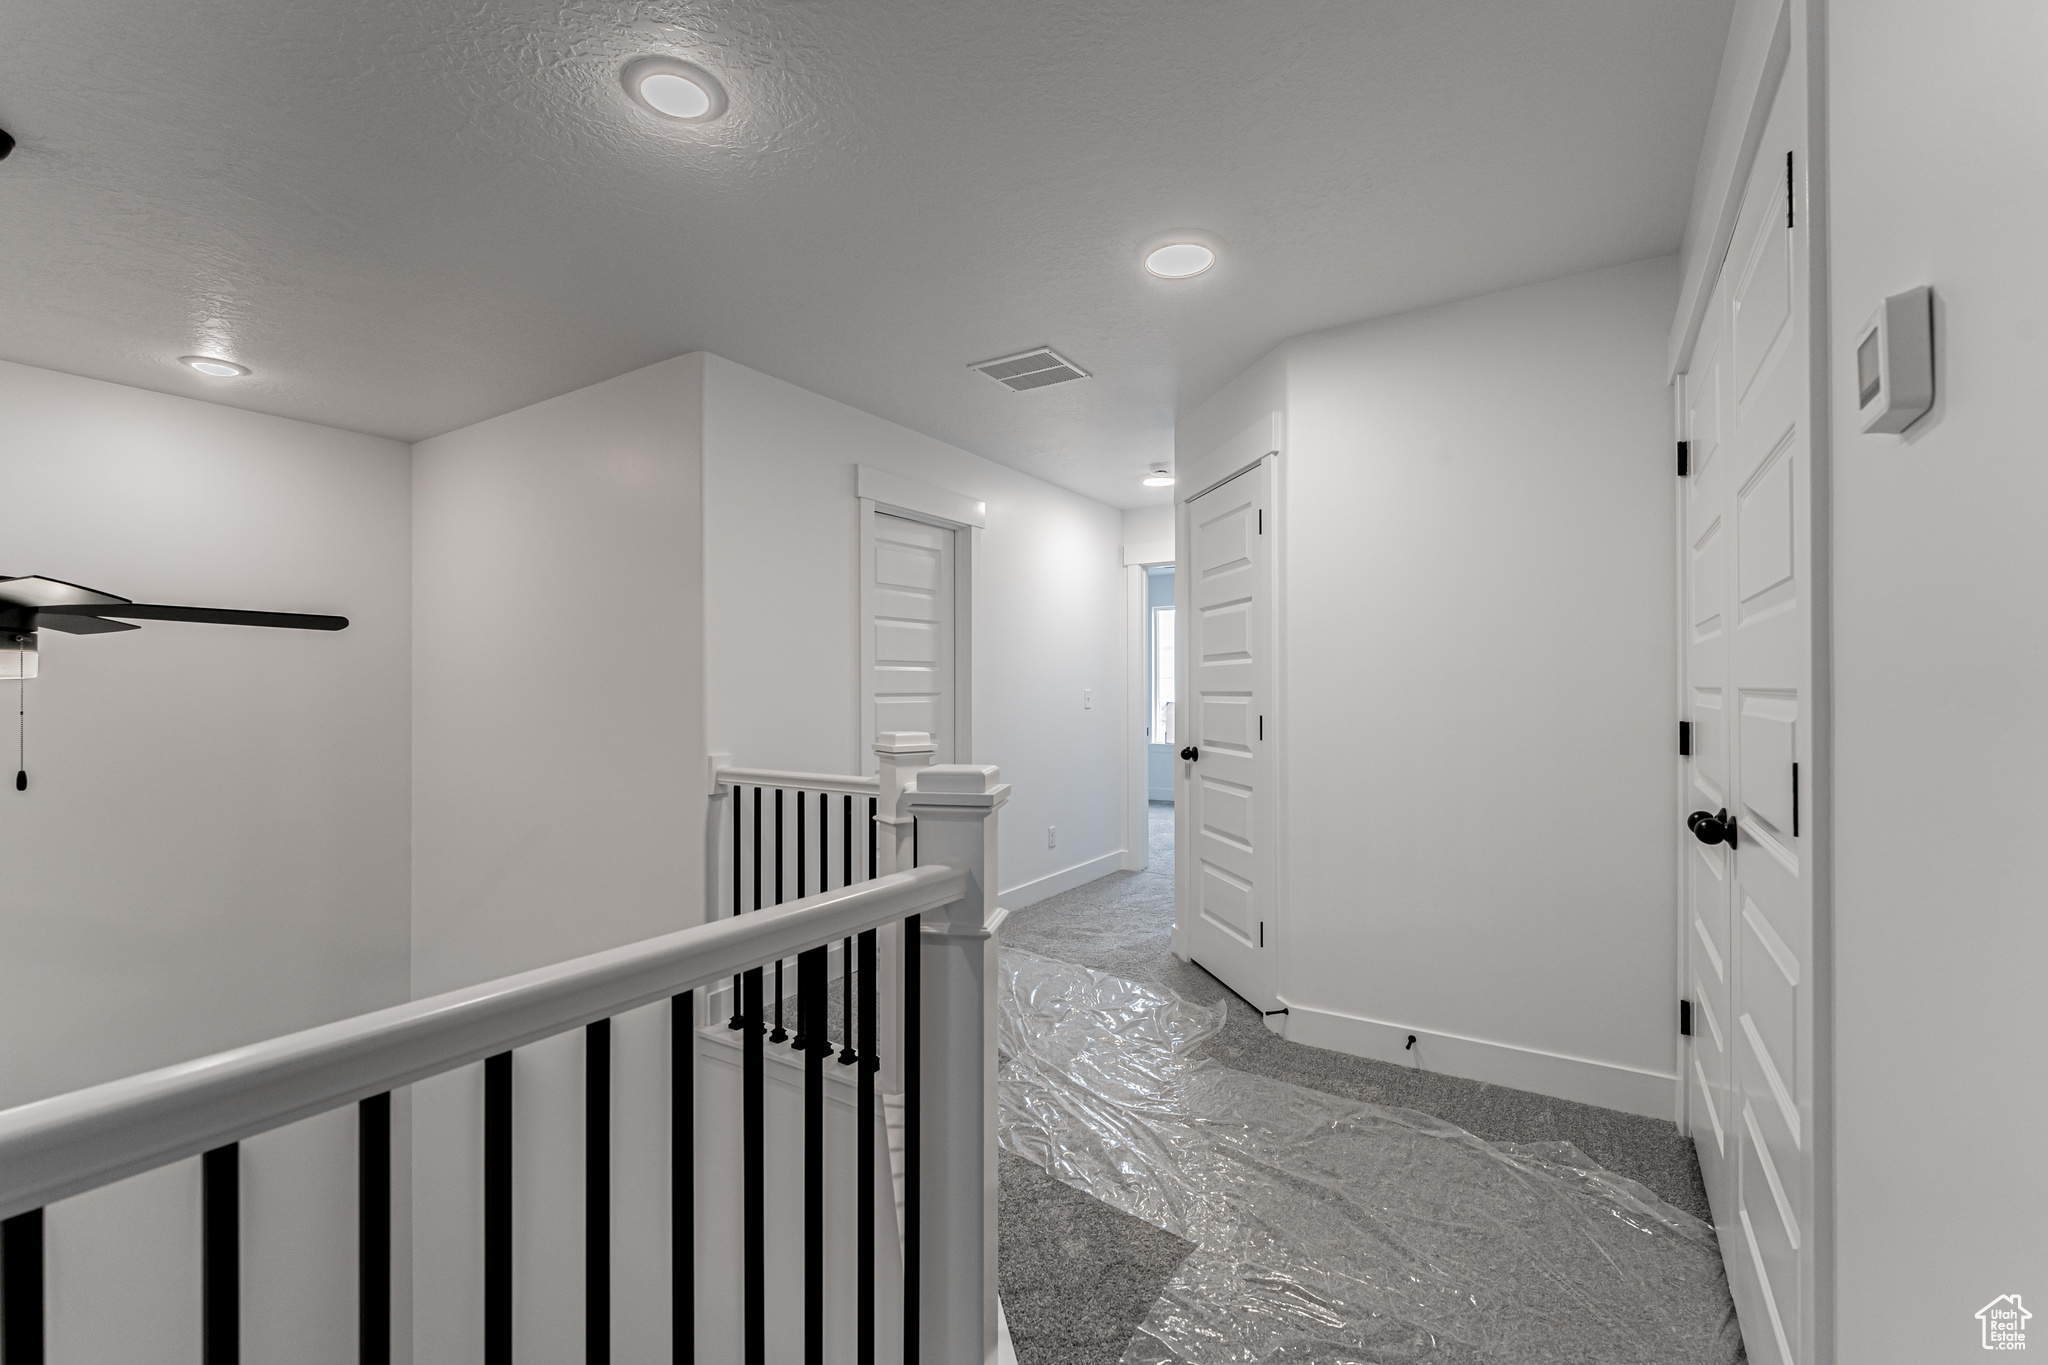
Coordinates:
[1606,1084]
[1006,1354]
[1080,874]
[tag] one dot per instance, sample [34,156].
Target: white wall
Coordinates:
[1477,729]
[1148,526]
[781,573]
[213,846]
[1939,172]
[559,808]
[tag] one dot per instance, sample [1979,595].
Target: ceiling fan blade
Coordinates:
[218,616]
[79,625]
[34,591]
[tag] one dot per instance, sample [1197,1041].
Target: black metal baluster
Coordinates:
[737,1008]
[913,1115]
[373,1231]
[781,1035]
[754,1138]
[21,1289]
[498,1209]
[597,1193]
[913,1015]
[220,1256]
[682,1176]
[846,1053]
[799,1042]
[864,1198]
[810,975]
[738,875]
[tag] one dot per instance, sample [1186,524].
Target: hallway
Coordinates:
[1526,481]
[1078,1277]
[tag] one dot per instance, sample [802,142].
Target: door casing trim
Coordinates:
[878,490]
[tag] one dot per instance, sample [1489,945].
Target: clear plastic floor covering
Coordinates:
[1332,1230]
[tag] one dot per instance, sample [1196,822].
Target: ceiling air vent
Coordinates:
[1032,369]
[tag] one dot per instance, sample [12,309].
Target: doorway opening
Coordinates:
[1159,729]
[1159,674]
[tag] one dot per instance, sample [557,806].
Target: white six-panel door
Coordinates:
[1227,790]
[1749,914]
[910,632]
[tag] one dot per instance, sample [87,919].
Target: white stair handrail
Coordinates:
[837,784]
[68,1144]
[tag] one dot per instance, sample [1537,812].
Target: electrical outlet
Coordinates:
[1052,836]
[1087,700]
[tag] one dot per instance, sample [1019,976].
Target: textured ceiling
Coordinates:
[407,215]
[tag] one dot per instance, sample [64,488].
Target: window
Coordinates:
[1161,722]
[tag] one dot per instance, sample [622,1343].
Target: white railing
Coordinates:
[837,784]
[54,1148]
[940,1043]
[779,834]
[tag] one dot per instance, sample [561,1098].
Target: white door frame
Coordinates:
[1262,442]
[877,490]
[1138,701]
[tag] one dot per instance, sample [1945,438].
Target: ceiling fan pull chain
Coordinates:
[21,734]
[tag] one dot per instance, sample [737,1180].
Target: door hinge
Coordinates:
[1788,189]
[1262,933]
[1685,1018]
[1795,800]
[1262,521]
[1262,727]
[1685,739]
[1683,448]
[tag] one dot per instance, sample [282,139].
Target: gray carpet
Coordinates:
[1121,924]
[1076,1276]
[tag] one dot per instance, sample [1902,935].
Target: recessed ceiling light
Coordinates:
[674,90]
[1179,260]
[1160,477]
[214,367]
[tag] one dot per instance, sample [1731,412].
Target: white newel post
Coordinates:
[902,753]
[955,806]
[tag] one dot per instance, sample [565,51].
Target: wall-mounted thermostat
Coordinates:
[1895,362]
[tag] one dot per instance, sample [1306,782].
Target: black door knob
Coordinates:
[1717,828]
[1191,753]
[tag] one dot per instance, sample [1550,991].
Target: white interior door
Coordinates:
[1227,784]
[908,645]
[1749,682]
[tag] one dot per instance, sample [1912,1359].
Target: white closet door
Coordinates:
[1749,690]
[909,628]
[1229,667]
[1708,872]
